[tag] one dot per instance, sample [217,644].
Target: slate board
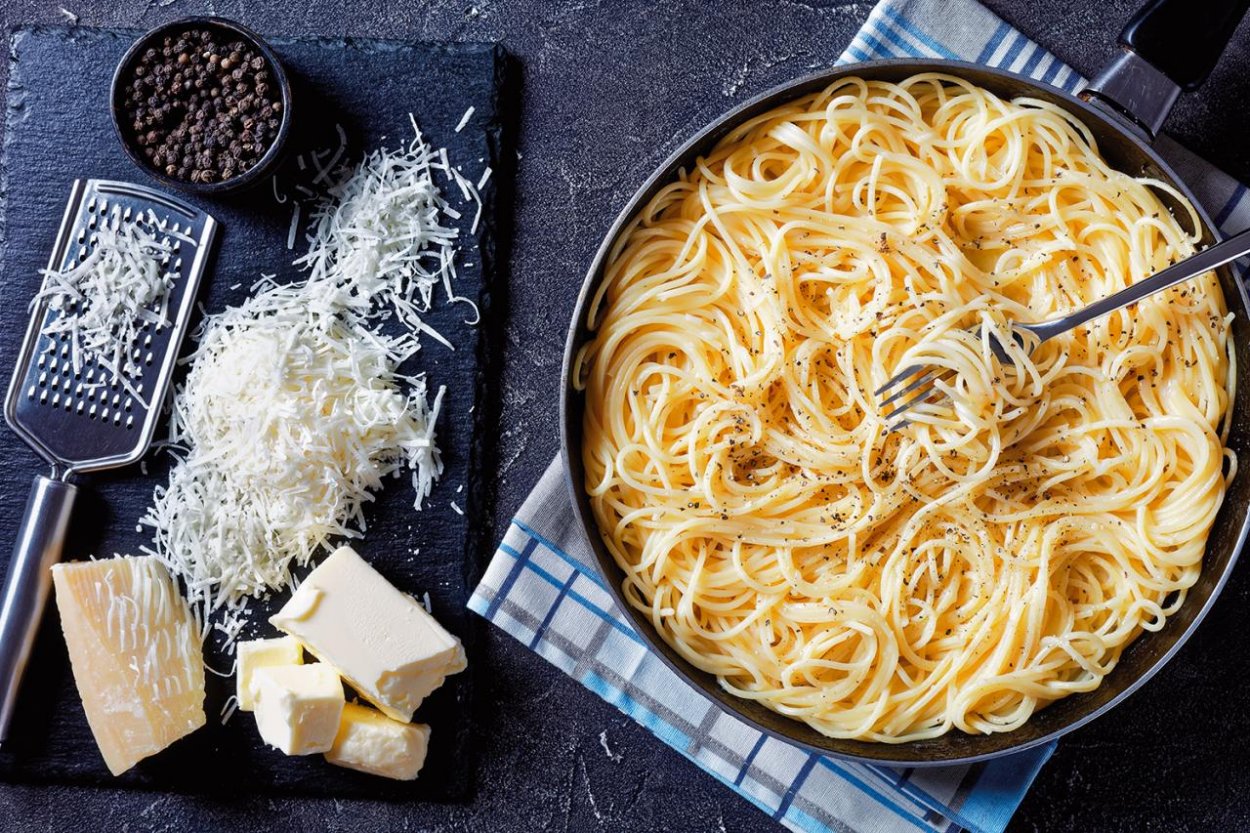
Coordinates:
[58,128]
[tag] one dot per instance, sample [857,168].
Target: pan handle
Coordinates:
[1183,39]
[1169,46]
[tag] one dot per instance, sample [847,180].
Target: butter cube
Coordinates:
[371,742]
[298,707]
[263,653]
[382,641]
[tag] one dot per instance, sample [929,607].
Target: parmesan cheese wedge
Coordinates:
[136,656]
[382,641]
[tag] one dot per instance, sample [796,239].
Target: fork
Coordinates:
[917,383]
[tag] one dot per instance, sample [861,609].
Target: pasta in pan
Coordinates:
[998,553]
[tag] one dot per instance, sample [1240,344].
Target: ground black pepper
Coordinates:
[202,105]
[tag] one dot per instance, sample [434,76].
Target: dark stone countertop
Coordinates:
[609,87]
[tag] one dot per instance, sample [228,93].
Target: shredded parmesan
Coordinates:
[295,410]
[382,236]
[293,231]
[229,709]
[105,301]
[464,120]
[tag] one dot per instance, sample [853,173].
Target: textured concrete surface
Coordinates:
[609,87]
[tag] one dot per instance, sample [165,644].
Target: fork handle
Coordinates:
[1191,267]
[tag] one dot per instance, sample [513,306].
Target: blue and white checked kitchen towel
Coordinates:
[542,588]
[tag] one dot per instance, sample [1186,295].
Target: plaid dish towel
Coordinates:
[542,588]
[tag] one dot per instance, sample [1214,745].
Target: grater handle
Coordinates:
[39,543]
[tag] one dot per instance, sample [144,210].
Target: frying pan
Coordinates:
[1168,46]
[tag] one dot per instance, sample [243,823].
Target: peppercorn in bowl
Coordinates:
[202,104]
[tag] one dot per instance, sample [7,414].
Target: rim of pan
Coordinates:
[790,730]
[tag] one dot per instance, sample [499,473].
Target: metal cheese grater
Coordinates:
[85,420]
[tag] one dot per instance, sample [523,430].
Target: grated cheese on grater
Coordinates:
[103,302]
[294,410]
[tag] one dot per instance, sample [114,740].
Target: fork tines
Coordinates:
[921,381]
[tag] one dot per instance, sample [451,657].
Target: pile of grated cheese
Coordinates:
[385,238]
[104,301]
[294,410]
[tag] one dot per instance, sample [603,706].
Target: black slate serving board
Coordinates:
[58,128]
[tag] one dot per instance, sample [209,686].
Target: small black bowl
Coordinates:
[249,178]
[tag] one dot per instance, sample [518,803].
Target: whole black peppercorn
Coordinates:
[201,106]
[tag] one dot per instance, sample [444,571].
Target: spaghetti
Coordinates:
[995,555]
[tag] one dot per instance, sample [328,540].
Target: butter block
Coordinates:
[298,707]
[382,641]
[263,653]
[369,741]
[136,655]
